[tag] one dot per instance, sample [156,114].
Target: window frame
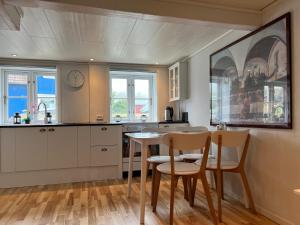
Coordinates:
[32,96]
[131,77]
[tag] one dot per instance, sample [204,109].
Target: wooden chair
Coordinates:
[189,171]
[230,140]
[158,159]
[191,156]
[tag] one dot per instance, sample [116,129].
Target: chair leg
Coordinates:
[148,169]
[193,190]
[222,183]
[156,190]
[185,188]
[176,181]
[172,199]
[189,184]
[247,189]
[154,165]
[215,178]
[208,198]
[219,192]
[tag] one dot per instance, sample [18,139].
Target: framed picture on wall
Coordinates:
[250,79]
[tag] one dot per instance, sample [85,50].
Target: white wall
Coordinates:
[162,80]
[99,92]
[273,163]
[198,81]
[84,104]
[74,102]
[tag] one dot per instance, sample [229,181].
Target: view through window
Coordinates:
[25,88]
[132,96]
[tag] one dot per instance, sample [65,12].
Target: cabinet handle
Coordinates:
[104,128]
[42,130]
[104,149]
[51,130]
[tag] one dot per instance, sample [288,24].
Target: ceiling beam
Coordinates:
[155,10]
[11,15]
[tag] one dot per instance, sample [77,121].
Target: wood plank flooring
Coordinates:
[106,203]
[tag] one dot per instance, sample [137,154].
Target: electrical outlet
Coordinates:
[99,117]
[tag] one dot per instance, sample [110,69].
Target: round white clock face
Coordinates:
[75,79]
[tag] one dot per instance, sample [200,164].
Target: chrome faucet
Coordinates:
[45,107]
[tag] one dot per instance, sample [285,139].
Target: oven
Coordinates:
[132,128]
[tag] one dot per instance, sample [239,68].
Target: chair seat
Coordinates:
[225,165]
[194,156]
[162,159]
[181,168]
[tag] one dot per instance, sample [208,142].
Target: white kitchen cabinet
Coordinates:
[104,135]
[8,150]
[104,155]
[84,146]
[106,146]
[62,147]
[55,154]
[31,148]
[178,73]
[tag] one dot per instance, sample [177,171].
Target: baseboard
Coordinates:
[58,176]
[278,219]
[267,213]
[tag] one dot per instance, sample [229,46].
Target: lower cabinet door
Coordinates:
[104,156]
[31,148]
[62,147]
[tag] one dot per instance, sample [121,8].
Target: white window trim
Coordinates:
[130,93]
[32,90]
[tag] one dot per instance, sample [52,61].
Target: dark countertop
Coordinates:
[7,125]
[170,122]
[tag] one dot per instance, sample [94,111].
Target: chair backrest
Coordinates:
[188,141]
[237,140]
[230,139]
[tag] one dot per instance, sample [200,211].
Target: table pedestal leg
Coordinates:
[143,182]
[130,166]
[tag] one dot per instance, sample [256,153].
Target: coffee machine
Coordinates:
[169,114]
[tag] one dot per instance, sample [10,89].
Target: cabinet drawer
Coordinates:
[104,135]
[104,156]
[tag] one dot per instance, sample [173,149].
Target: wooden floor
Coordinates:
[106,203]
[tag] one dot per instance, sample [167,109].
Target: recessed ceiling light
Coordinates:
[92,59]
[156,63]
[14,55]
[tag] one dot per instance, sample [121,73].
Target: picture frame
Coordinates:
[250,79]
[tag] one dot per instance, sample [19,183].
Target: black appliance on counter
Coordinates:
[185,117]
[169,112]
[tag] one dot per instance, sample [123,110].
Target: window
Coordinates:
[131,96]
[25,89]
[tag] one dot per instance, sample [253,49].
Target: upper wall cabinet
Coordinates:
[178,81]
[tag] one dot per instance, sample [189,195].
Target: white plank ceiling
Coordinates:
[56,35]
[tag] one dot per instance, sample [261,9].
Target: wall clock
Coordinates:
[75,79]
